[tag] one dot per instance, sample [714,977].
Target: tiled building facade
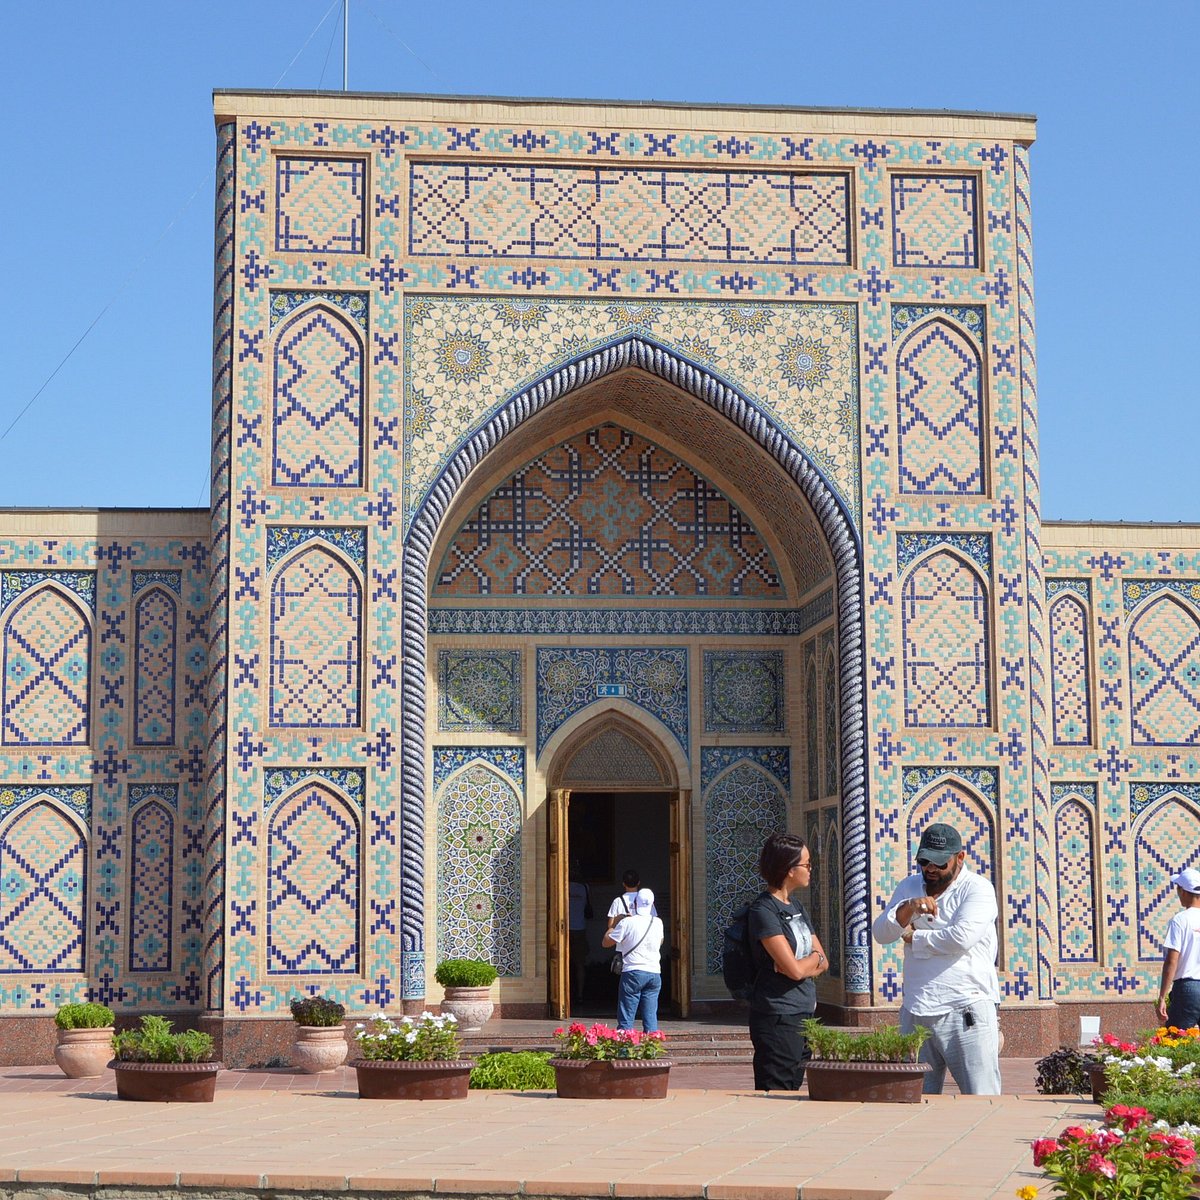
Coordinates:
[676,453]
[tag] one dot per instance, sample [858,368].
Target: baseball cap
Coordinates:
[1189,880]
[644,902]
[939,843]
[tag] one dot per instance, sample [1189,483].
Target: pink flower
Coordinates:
[1076,1133]
[1126,1115]
[1043,1148]
[1099,1165]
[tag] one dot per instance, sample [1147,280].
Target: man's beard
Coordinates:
[941,883]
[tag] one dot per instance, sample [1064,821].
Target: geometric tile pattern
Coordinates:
[43,892]
[320,205]
[607,513]
[47,660]
[569,679]
[935,221]
[493,210]
[939,395]
[830,854]
[154,672]
[1075,877]
[312,885]
[744,801]
[1069,677]
[152,852]
[945,633]
[315,638]
[1166,842]
[1164,675]
[812,724]
[829,710]
[479,690]
[479,866]
[743,691]
[348,540]
[953,802]
[318,402]
[464,357]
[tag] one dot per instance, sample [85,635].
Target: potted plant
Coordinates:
[320,1043]
[411,1058]
[601,1063]
[467,982]
[152,1063]
[83,1041]
[865,1065]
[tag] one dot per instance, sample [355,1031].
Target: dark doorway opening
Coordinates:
[609,833]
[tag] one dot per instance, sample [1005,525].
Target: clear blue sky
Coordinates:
[107,202]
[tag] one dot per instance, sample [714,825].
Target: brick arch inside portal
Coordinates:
[637,354]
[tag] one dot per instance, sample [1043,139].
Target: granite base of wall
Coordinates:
[28,1041]
[1125,1018]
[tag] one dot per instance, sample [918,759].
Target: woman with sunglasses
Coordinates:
[789,957]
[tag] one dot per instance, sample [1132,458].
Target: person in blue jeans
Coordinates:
[638,938]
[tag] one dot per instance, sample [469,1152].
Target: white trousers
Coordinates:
[967,1041]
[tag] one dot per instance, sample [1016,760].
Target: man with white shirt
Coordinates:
[638,938]
[946,915]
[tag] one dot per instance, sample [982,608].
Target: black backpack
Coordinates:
[737,955]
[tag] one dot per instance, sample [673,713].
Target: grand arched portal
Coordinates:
[638,400]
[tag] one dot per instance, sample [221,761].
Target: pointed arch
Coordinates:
[47,671]
[1164,840]
[43,891]
[951,800]
[479,868]
[743,805]
[1075,876]
[151,859]
[944,618]
[316,641]
[313,874]
[639,352]
[831,935]
[1070,677]
[1164,673]
[829,720]
[318,401]
[154,623]
[812,730]
[939,411]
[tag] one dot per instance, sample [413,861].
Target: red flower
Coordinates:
[1076,1133]
[1126,1115]
[1099,1165]
[1043,1148]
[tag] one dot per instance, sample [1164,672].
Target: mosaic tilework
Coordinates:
[154,630]
[313,885]
[830,852]
[829,716]
[569,679]
[935,221]
[1166,841]
[350,541]
[47,660]
[1164,674]
[939,400]
[318,401]
[1074,858]
[79,583]
[812,724]
[945,631]
[479,859]
[316,619]
[43,892]
[479,690]
[952,801]
[349,782]
[607,513]
[464,357]
[610,756]
[745,799]
[320,205]
[1070,678]
[629,214]
[744,691]
[151,912]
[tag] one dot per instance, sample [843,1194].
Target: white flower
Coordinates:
[410,1038]
[359,1025]
[451,1018]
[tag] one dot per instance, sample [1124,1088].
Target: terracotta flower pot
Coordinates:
[1095,1072]
[866,1082]
[172,1083]
[471,1007]
[445,1079]
[319,1048]
[81,1053]
[613,1079]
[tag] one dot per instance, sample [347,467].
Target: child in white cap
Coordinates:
[1179,991]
